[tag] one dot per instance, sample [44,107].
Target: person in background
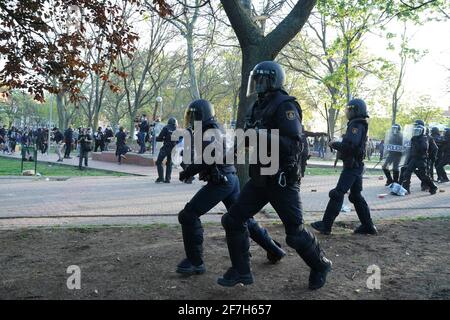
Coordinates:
[381,149]
[85,141]
[144,128]
[68,140]
[109,134]
[121,147]
[59,140]
[99,140]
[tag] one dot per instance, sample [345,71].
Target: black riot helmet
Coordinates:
[435,131]
[356,108]
[199,110]
[172,121]
[396,128]
[447,133]
[419,123]
[266,76]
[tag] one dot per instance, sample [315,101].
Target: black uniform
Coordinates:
[282,191]
[121,147]
[416,163]
[68,139]
[144,128]
[444,157]
[85,141]
[352,151]
[222,186]
[393,158]
[99,141]
[165,152]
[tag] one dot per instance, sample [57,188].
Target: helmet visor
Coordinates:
[259,81]
[418,131]
[350,112]
[189,118]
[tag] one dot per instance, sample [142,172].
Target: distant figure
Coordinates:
[108,135]
[59,140]
[381,148]
[166,151]
[99,140]
[121,147]
[85,140]
[68,139]
[142,134]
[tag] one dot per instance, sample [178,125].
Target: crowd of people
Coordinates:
[422,154]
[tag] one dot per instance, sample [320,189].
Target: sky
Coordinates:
[429,76]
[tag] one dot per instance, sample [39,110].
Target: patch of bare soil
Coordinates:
[139,263]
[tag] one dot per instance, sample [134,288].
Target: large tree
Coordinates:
[37,49]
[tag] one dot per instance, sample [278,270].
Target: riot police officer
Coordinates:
[438,139]
[274,109]
[394,147]
[445,157]
[222,185]
[165,152]
[417,160]
[352,149]
[430,160]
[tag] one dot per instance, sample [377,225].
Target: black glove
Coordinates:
[183,176]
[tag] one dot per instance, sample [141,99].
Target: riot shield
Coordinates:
[407,135]
[393,143]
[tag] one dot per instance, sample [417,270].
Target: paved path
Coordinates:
[131,200]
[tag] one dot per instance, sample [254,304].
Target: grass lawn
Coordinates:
[331,171]
[11,167]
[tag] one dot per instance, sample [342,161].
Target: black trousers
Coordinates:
[164,153]
[286,202]
[68,149]
[350,179]
[83,155]
[440,167]
[417,166]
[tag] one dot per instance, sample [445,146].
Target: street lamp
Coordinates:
[159,101]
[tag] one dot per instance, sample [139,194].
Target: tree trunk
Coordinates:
[61,111]
[251,56]
[195,94]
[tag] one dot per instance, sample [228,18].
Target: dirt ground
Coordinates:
[139,263]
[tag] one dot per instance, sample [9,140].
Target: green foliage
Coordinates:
[378,127]
[421,109]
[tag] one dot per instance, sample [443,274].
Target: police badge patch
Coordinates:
[290,115]
[355,130]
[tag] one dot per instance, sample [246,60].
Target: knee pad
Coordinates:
[230,223]
[302,240]
[187,216]
[355,197]
[336,195]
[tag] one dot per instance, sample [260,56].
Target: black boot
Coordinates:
[238,245]
[331,212]
[363,212]
[320,226]
[307,246]
[396,175]
[262,238]
[389,179]
[193,246]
